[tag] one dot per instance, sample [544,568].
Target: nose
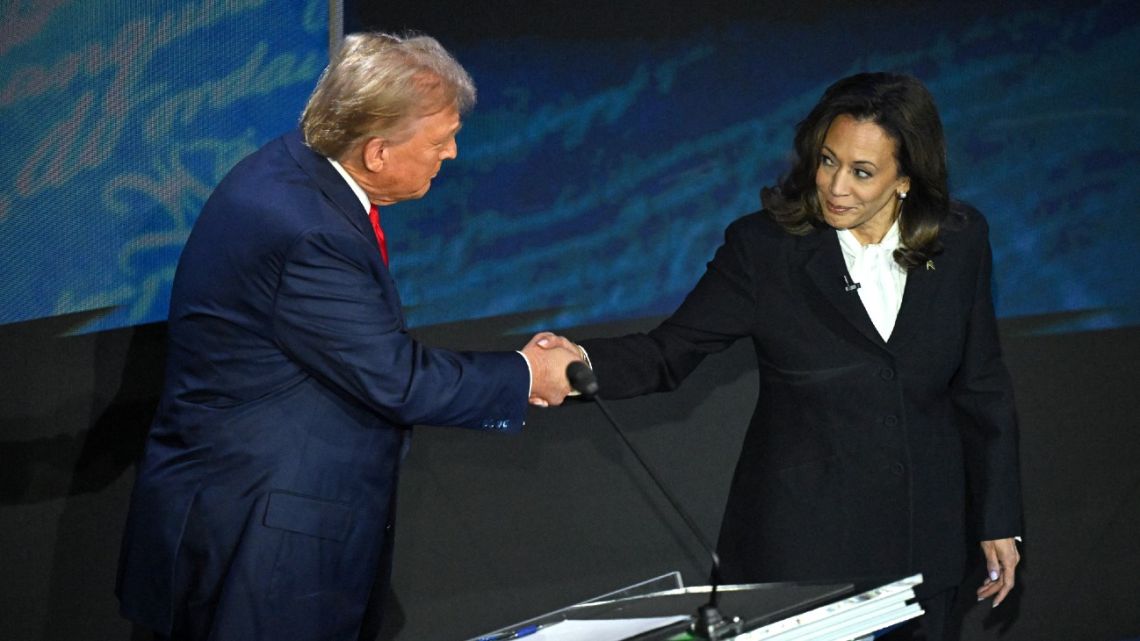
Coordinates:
[450,151]
[837,186]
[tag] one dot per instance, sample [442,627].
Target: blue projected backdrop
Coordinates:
[118,117]
[596,174]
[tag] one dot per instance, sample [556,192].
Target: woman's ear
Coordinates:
[903,187]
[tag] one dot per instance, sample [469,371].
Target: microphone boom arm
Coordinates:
[709,622]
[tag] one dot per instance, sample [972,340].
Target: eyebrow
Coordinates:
[450,133]
[857,162]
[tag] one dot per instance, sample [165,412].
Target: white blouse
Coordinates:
[880,280]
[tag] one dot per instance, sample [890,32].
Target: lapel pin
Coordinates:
[930,265]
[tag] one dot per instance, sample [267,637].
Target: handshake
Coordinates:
[548,355]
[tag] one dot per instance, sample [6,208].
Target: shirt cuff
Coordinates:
[529,373]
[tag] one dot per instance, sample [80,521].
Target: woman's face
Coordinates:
[857,180]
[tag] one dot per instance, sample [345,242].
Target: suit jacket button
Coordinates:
[897,468]
[890,420]
[887,373]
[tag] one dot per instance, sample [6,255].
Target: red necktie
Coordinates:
[374,216]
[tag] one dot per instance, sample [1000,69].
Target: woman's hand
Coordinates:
[1001,564]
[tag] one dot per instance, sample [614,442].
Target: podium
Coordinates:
[661,609]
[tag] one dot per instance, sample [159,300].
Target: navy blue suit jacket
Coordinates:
[862,455]
[262,505]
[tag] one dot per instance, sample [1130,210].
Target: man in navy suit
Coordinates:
[264,502]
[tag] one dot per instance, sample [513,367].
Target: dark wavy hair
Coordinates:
[902,106]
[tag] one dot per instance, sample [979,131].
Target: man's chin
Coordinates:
[416,195]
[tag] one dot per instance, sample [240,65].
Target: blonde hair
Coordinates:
[376,84]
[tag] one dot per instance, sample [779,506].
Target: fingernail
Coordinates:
[993,575]
[542,342]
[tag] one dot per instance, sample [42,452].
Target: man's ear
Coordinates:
[375,154]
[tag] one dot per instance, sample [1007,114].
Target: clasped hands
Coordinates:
[548,355]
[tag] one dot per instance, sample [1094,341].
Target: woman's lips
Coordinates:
[836,209]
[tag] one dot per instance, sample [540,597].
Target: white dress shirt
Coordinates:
[881,280]
[356,189]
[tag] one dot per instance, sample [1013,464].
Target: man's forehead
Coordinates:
[446,118]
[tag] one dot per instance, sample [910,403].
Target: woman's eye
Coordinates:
[826,161]
[859,173]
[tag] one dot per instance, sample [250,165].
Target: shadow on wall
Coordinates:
[94,394]
[74,413]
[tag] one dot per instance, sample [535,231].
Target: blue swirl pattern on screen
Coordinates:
[595,177]
[118,118]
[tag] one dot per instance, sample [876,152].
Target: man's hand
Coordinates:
[548,355]
[1001,561]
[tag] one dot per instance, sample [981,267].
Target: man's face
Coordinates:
[410,164]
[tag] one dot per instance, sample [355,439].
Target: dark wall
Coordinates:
[494,529]
[73,416]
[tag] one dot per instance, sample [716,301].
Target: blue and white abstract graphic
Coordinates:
[596,174]
[595,179]
[118,118]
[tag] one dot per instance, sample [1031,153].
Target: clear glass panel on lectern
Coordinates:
[663,583]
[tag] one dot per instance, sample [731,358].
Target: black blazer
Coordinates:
[857,457]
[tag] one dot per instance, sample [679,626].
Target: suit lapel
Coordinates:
[826,269]
[330,182]
[922,284]
[334,187]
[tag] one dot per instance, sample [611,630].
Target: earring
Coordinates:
[902,195]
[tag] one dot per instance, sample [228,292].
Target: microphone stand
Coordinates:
[709,623]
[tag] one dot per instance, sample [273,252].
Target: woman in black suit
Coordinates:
[885,411]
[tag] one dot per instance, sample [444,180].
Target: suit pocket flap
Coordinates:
[308,515]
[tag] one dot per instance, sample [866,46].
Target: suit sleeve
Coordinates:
[332,317]
[983,391]
[717,312]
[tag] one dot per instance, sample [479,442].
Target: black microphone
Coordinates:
[709,622]
[582,378]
